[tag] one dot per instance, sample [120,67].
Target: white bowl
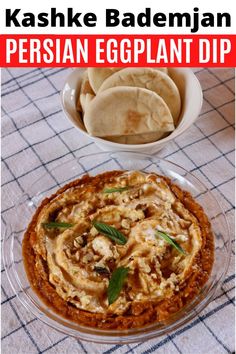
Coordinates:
[191,96]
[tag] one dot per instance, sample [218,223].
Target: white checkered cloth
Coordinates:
[36,135]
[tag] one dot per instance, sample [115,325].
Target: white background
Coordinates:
[98,7]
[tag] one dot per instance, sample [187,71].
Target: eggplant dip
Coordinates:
[118,250]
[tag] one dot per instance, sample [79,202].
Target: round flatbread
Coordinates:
[137,139]
[151,79]
[127,111]
[164,70]
[86,93]
[98,75]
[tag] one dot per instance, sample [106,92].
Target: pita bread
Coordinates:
[85,90]
[137,139]
[164,70]
[127,111]
[150,79]
[98,75]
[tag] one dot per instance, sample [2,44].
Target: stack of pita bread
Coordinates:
[129,105]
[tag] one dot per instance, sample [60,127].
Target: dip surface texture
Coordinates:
[69,262]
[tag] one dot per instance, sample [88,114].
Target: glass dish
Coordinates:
[93,164]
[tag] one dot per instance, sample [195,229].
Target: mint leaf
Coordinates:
[115,189]
[116,283]
[171,241]
[57,225]
[111,232]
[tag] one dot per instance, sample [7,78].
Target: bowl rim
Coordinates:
[177,132]
[124,338]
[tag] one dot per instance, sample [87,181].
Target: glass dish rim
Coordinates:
[124,337]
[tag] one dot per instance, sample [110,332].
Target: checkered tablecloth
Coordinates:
[37,136]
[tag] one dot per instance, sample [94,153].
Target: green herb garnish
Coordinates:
[116,284]
[171,241]
[57,225]
[111,232]
[116,189]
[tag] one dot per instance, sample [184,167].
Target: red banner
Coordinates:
[117,50]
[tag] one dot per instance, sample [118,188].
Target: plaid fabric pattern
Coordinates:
[37,136]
